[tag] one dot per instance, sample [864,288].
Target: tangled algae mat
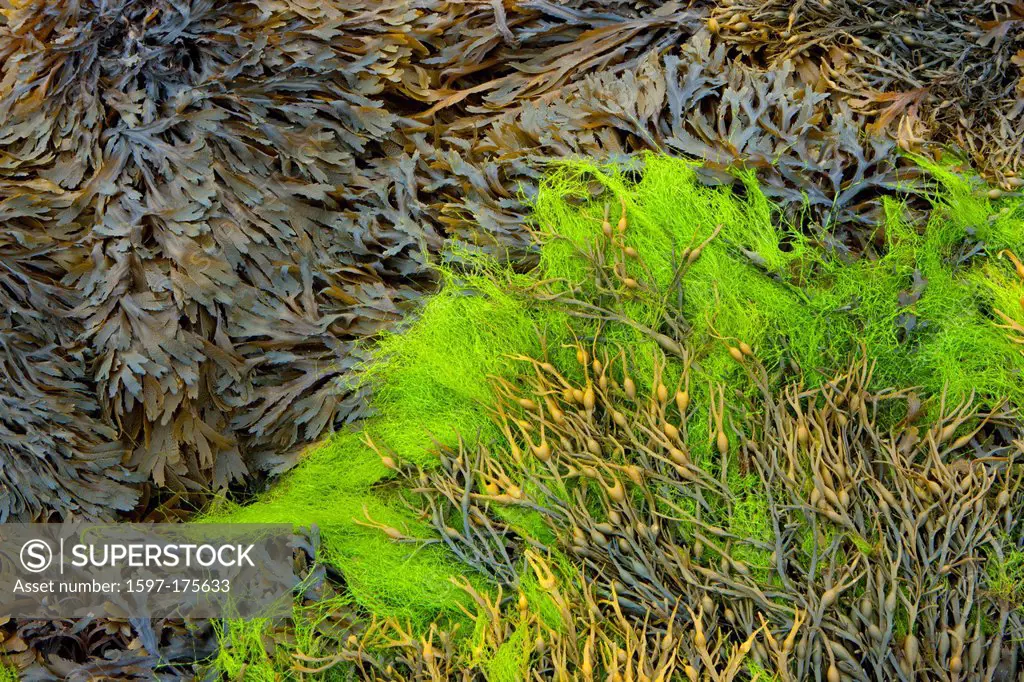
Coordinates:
[691,444]
[210,207]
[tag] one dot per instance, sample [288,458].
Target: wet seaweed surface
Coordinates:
[214,212]
[208,205]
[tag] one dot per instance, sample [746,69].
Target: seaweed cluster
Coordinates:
[942,71]
[810,529]
[188,259]
[107,648]
[657,470]
[810,521]
[579,642]
[209,207]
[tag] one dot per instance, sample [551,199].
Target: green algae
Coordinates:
[1006,576]
[249,651]
[510,661]
[380,574]
[431,382]
[243,654]
[798,305]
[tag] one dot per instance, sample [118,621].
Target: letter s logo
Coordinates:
[36,556]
